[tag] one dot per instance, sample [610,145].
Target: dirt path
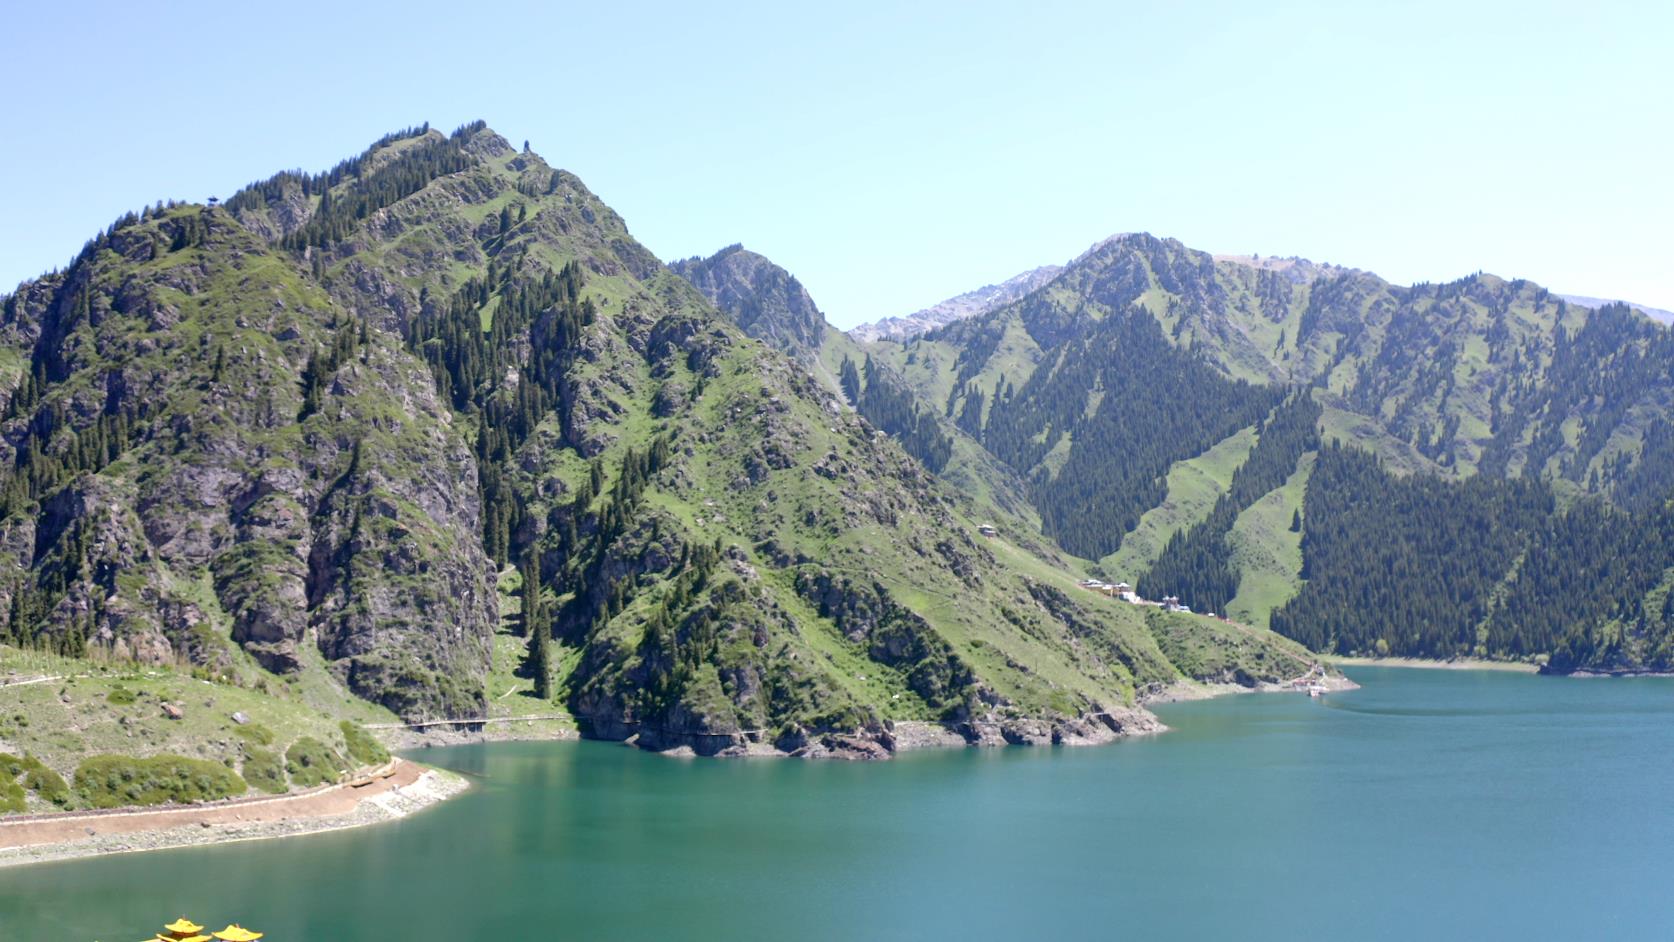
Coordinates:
[31,680]
[394,791]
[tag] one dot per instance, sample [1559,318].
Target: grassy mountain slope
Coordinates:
[1440,377]
[1267,551]
[1192,487]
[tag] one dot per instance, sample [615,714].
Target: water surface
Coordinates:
[1429,804]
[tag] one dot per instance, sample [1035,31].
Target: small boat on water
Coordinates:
[1316,690]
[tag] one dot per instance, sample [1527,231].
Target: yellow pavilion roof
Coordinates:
[237,933]
[183,926]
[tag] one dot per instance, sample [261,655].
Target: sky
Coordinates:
[891,155]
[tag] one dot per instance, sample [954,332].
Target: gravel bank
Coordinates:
[410,789]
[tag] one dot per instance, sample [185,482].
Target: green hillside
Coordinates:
[1117,391]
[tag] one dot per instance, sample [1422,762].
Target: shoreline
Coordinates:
[412,787]
[409,789]
[1416,663]
[1186,691]
[553,729]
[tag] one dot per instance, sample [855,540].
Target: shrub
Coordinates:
[37,778]
[312,762]
[263,770]
[363,746]
[46,783]
[11,795]
[254,732]
[111,781]
[120,696]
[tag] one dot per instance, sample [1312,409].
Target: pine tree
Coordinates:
[540,661]
[535,625]
[849,377]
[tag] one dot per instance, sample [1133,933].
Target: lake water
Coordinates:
[1429,804]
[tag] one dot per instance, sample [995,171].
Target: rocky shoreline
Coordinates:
[1189,690]
[555,730]
[49,838]
[418,787]
[879,743]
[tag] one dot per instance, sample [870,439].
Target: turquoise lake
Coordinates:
[1429,804]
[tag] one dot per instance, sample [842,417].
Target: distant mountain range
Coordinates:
[959,307]
[1655,313]
[1215,427]
[989,297]
[1137,393]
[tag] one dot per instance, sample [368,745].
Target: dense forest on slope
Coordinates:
[1424,567]
[1155,404]
[886,403]
[1593,592]
[1411,562]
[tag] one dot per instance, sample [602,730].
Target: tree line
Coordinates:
[889,405]
[1156,404]
[1196,564]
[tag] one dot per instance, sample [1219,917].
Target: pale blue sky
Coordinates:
[890,157]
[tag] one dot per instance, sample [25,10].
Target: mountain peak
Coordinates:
[959,307]
[764,299]
[1299,270]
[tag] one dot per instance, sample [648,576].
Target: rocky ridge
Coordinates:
[970,304]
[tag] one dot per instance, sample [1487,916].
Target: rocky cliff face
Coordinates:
[188,496]
[762,298]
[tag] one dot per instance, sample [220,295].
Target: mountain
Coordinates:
[1654,313]
[1138,394]
[959,307]
[766,301]
[772,305]
[430,435]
